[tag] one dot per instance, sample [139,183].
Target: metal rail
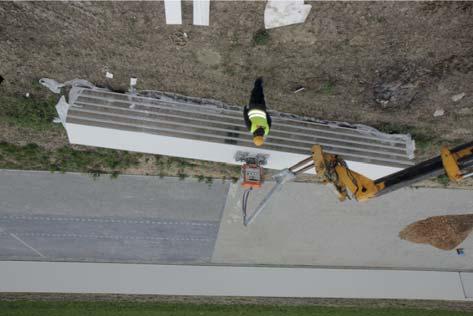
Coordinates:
[281,178]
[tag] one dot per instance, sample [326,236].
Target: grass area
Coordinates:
[28,112]
[327,88]
[443,180]
[261,37]
[26,308]
[35,111]
[34,157]
[203,171]
[98,161]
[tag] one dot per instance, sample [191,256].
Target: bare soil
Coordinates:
[442,232]
[385,64]
[379,63]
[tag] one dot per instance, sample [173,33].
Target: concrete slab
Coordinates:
[467,283]
[227,281]
[305,224]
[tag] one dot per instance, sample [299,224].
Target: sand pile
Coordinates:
[443,232]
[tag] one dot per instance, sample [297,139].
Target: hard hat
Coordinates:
[258,140]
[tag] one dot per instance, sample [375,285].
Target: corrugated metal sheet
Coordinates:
[211,121]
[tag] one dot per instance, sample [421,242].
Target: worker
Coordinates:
[256,117]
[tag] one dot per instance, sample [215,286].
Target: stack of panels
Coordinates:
[204,121]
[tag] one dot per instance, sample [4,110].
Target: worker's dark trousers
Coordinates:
[257,96]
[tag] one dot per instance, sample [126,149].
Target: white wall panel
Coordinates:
[194,149]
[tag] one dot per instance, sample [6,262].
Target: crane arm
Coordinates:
[456,163]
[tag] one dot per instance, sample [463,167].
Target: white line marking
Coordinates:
[23,242]
[118,237]
[103,220]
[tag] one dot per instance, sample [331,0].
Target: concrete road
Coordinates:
[71,277]
[71,217]
[130,219]
[305,224]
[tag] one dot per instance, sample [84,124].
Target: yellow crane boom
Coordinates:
[456,163]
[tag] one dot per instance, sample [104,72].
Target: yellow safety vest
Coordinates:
[258,119]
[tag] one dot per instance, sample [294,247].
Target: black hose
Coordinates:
[244,203]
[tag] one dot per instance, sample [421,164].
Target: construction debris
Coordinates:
[179,38]
[281,13]
[439,112]
[56,87]
[442,232]
[458,97]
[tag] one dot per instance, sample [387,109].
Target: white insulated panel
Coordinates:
[201,12]
[169,124]
[194,149]
[173,11]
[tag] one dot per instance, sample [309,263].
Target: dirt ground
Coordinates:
[386,64]
[443,232]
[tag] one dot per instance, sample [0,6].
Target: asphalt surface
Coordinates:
[72,217]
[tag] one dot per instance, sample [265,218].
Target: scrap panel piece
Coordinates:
[169,124]
[201,12]
[282,13]
[172,9]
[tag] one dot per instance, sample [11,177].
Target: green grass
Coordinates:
[443,180]
[96,162]
[32,112]
[327,88]
[182,175]
[261,37]
[25,308]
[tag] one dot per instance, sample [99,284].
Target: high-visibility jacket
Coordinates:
[258,119]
